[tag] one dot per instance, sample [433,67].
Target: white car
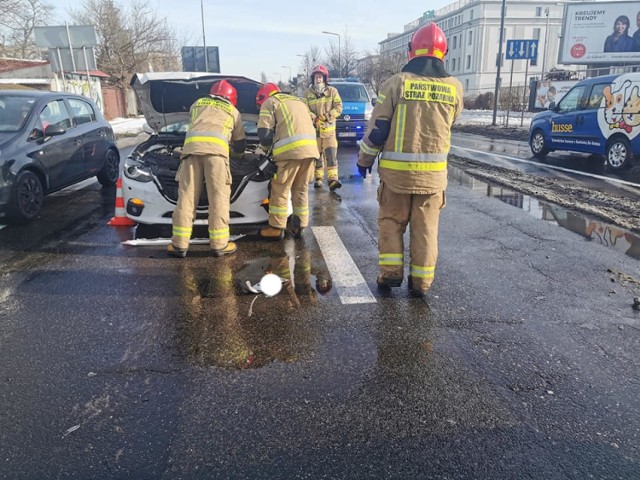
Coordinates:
[149,187]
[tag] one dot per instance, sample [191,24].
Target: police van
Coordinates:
[599,115]
[356,108]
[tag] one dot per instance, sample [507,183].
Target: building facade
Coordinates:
[472,28]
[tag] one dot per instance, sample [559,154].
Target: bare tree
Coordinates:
[130,40]
[17,23]
[380,68]
[311,58]
[341,56]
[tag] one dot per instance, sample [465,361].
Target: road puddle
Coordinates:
[602,233]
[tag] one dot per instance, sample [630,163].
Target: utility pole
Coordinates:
[546,43]
[339,62]
[496,92]
[204,41]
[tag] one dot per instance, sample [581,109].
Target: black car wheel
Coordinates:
[619,154]
[108,175]
[26,199]
[538,144]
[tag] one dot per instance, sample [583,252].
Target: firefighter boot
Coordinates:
[230,248]
[334,184]
[388,282]
[296,229]
[414,292]
[176,252]
[271,233]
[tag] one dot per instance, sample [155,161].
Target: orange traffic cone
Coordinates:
[120,219]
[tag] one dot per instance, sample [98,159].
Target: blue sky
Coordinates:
[256,37]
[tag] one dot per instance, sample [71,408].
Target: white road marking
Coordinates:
[2,226]
[568,170]
[345,275]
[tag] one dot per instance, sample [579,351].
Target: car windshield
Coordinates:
[14,109]
[250,128]
[352,92]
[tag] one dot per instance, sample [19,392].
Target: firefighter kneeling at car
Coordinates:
[410,128]
[285,126]
[215,123]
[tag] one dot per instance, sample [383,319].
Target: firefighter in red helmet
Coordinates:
[409,132]
[214,126]
[285,126]
[325,105]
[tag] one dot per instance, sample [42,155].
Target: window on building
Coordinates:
[466,84]
[453,64]
[471,14]
[470,35]
[455,42]
[538,11]
[468,61]
[536,34]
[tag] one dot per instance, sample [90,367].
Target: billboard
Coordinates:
[601,32]
[193,60]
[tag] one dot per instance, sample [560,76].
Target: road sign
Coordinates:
[522,49]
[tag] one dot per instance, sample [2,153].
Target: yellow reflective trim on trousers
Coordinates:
[414,166]
[400,127]
[181,231]
[300,210]
[367,150]
[292,145]
[219,233]
[422,272]
[391,259]
[278,211]
[332,128]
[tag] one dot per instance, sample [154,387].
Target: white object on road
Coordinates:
[270,285]
[146,242]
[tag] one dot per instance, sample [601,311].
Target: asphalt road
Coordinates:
[119,362]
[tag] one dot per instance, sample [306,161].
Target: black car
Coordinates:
[48,141]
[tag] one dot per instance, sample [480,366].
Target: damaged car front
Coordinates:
[149,187]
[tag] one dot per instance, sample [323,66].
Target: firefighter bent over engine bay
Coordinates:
[285,125]
[410,130]
[325,105]
[214,123]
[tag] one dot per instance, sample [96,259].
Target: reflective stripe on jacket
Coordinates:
[327,103]
[214,123]
[421,110]
[294,136]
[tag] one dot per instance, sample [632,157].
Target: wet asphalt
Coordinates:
[119,362]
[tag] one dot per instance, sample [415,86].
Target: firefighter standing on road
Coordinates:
[285,125]
[410,129]
[325,105]
[214,124]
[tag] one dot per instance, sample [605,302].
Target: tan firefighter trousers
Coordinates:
[328,148]
[291,180]
[193,172]
[396,211]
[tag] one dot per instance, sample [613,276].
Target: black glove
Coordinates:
[363,171]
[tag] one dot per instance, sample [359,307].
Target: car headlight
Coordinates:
[367,112]
[136,170]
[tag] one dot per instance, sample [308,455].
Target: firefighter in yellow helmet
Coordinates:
[214,124]
[410,132]
[285,126]
[325,105]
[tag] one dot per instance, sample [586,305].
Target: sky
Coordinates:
[266,36]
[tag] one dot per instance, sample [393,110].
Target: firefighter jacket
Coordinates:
[327,103]
[214,123]
[286,125]
[410,128]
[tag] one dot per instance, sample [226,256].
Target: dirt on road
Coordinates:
[623,212]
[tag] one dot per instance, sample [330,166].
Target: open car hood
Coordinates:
[165,97]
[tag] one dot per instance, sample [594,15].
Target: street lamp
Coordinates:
[339,63]
[204,42]
[546,43]
[286,66]
[496,93]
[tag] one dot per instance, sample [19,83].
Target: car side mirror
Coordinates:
[552,106]
[374,101]
[53,130]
